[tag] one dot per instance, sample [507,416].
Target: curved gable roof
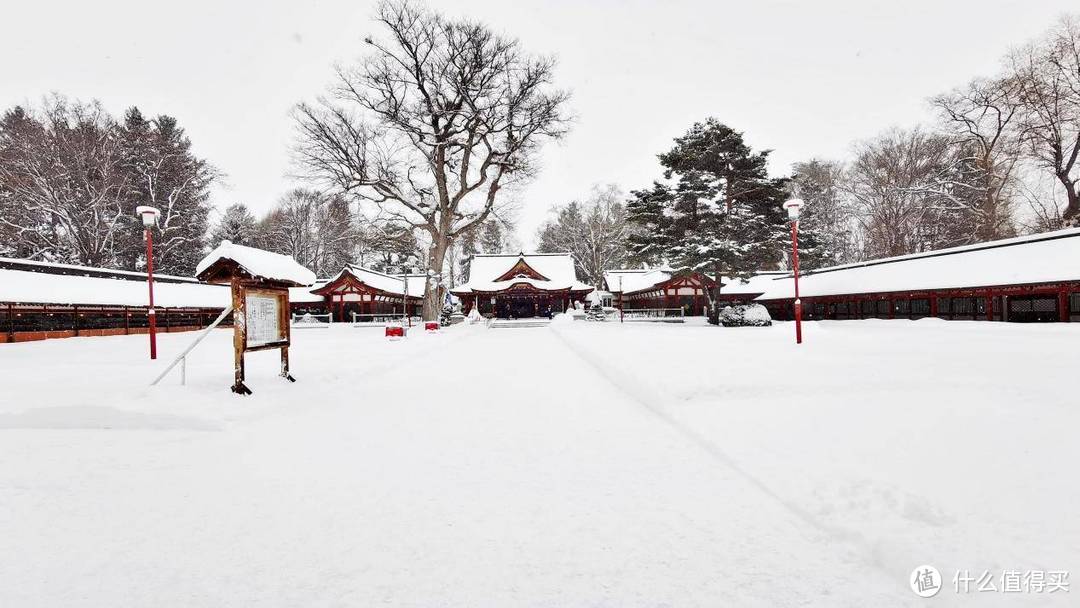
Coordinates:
[374,279]
[547,271]
[556,267]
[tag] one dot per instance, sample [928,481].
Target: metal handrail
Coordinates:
[182,357]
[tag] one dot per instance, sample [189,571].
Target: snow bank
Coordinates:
[635,465]
[100,417]
[937,442]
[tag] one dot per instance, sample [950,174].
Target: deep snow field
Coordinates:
[582,464]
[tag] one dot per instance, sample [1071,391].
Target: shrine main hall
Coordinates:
[521,285]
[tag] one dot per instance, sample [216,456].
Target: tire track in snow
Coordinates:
[652,403]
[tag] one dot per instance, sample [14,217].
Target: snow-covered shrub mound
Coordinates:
[745,315]
[562,317]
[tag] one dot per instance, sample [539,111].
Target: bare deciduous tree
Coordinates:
[71,177]
[431,125]
[912,191]
[317,230]
[594,232]
[980,118]
[828,212]
[62,184]
[1047,75]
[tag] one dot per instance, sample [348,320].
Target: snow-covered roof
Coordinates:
[125,289]
[557,268]
[1042,258]
[303,295]
[622,277]
[756,284]
[645,280]
[44,288]
[257,263]
[381,281]
[492,286]
[634,280]
[88,271]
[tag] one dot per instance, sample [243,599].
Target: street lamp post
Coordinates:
[149,218]
[620,300]
[405,295]
[793,206]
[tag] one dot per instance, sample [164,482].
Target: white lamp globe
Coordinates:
[793,207]
[149,214]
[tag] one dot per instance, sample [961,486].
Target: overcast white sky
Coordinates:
[800,77]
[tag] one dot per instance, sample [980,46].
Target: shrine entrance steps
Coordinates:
[520,323]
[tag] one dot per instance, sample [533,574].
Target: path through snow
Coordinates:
[472,468]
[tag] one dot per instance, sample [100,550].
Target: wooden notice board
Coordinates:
[260,322]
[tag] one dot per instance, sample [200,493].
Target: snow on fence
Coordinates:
[660,315]
[308,320]
[381,319]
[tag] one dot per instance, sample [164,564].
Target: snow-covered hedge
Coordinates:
[745,315]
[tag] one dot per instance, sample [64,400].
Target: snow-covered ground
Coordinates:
[584,464]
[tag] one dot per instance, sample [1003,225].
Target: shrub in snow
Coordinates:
[745,315]
[596,312]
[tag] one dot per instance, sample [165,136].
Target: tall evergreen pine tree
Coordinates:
[237,225]
[717,211]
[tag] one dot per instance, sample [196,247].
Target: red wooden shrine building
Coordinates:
[1026,279]
[361,291]
[661,288]
[521,285]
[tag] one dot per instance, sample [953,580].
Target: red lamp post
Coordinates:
[793,206]
[149,217]
[620,300]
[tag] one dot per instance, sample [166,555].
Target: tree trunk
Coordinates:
[714,305]
[1071,215]
[433,290]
